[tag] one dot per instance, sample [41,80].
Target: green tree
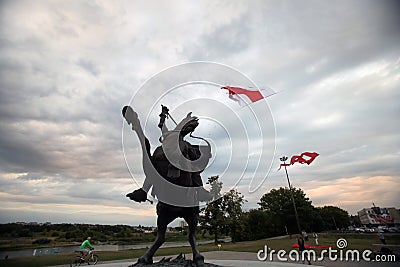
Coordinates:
[24,232]
[355,221]
[255,224]
[212,217]
[317,221]
[232,203]
[334,218]
[279,206]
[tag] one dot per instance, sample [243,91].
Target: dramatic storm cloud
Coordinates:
[67,68]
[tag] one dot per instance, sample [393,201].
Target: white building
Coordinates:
[183,224]
[376,216]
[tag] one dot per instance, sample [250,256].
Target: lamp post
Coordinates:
[284,159]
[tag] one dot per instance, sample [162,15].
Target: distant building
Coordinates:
[395,213]
[172,229]
[183,224]
[376,216]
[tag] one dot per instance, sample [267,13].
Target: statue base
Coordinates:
[179,261]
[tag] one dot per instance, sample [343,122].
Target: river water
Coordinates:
[70,249]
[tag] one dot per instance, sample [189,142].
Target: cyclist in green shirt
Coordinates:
[86,247]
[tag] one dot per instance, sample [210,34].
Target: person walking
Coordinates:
[315,235]
[382,238]
[302,248]
[305,235]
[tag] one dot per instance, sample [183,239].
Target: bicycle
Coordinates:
[91,259]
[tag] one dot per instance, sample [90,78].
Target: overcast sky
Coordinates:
[67,68]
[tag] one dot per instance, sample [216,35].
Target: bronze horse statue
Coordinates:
[173,172]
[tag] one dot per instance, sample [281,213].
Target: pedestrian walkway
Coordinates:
[222,258]
[249,259]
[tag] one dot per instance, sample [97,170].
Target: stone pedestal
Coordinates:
[179,261]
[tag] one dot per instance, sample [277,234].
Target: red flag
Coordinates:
[310,156]
[249,95]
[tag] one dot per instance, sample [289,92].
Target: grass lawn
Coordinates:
[354,241]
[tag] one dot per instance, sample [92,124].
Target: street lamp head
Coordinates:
[284,158]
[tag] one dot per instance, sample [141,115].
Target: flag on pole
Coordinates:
[245,96]
[306,157]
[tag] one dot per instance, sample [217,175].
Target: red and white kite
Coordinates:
[310,156]
[245,96]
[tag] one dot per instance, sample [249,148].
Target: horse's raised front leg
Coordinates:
[198,259]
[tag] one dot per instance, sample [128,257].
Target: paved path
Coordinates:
[248,259]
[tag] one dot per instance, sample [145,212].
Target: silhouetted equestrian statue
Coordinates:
[173,173]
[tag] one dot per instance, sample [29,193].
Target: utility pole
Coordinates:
[334,221]
[284,159]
